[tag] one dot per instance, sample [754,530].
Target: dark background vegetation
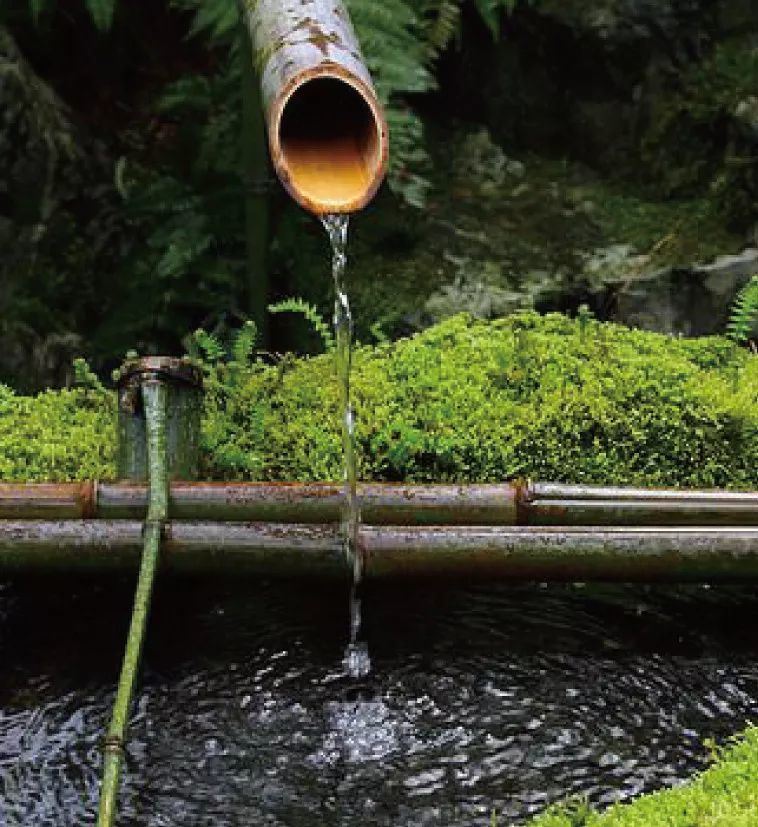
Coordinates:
[545,154]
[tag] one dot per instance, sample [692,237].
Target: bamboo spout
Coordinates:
[327,132]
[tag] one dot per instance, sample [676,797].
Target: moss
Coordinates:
[57,435]
[726,795]
[540,396]
[545,397]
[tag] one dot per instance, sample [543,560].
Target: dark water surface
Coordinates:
[480,698]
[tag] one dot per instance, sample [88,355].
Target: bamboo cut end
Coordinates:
[329,140]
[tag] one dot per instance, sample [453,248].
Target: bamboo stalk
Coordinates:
[327,132]
[155,397]
[555,504]
[389,504]
[565,554]
[321,503]
[494,552]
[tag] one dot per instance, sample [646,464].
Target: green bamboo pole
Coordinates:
[255,177]
[155,396]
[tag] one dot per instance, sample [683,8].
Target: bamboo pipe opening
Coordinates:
[329,142]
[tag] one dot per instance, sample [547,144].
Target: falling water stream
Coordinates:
[357,661]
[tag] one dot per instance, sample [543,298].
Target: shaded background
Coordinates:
[545,153]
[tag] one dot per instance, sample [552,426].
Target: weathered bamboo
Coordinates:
[51,501]
[565,554]
[586,505]
[321,503]
[505,553]
[183,383]
[155,399]
[389,504]
[327,132]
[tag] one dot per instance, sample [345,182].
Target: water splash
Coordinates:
[356,661]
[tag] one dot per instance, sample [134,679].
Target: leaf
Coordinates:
[102,12]
[744,312]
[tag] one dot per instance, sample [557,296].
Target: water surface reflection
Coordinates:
[480,698]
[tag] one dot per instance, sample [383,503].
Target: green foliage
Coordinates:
[225,370]
[310,313]
[695,144]
[541,397]
[57,435]
[525,396]
[744,313]
[725,795]
[85,377]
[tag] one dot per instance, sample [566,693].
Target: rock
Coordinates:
[617,260]
[729,268]
[694,301]
[476,295]
[746,116]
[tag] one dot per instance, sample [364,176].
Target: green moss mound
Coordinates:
[57,436]
[545,397]
[726,795]
[540,396]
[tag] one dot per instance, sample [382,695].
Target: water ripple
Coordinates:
[479,699]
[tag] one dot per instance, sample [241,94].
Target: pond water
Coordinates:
[479,699]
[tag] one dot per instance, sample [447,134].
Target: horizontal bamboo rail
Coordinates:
[531,553]
[388,504]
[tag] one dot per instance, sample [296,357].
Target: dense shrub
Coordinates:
[545,397]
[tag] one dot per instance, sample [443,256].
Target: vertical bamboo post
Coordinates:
[155,398]
[183,383]
[255,165]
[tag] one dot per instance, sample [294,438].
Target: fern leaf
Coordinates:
[209,345]
[744,313]
[244,343]
[102,12]
[310,314]
[445,21]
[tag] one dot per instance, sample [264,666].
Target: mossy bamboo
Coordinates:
[155,399]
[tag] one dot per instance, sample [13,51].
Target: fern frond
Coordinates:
[310,314]
[209,346]
[744,313]
[445,18]
[243,346]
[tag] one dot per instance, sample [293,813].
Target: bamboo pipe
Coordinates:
[388,504]
[155,398]
[586,505]
[517,554]
[328,135]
